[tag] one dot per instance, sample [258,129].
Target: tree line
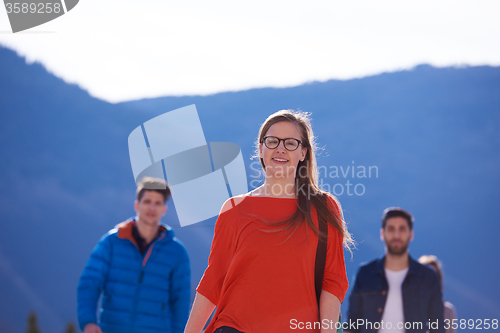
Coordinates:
[33,325]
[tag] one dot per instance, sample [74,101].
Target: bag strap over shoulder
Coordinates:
[320,257]
[319,269]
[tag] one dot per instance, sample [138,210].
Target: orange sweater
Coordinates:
[260,280]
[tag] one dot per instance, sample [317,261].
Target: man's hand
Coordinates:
[92,328]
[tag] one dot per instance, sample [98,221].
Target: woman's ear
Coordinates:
[304,153]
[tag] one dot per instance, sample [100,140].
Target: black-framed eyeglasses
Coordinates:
[273,142]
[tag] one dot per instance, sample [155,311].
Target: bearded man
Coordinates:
[395,294]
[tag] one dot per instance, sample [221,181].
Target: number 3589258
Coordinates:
[39,8]
[477,324]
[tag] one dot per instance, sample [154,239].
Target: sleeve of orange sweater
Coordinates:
[335,278]
[221,254]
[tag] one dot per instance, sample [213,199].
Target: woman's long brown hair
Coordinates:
[306,183]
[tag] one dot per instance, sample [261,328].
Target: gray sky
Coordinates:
[124,49]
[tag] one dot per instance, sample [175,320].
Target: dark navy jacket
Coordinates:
[422,298]
[147,293]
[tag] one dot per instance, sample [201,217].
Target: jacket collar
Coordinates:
[380,265]
[125,231]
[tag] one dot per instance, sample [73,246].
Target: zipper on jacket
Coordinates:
[150,249]
[136,297]
[140,276]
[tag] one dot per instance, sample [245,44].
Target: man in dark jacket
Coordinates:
[395,294]
[141,271]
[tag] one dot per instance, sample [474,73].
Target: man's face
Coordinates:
[396,235]
[151,208]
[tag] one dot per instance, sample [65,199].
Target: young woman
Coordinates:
[260,273]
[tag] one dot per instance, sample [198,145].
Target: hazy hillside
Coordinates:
[429,134]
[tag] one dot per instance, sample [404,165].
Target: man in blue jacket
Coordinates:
[395,294]
[141,271]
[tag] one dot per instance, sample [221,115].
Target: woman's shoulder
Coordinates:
[230,205]
[333,204]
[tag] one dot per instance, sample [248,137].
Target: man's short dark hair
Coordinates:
[153,184]
[397,212]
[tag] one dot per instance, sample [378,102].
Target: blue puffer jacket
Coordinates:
[140,294]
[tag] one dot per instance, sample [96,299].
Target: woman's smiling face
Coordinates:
[280,162]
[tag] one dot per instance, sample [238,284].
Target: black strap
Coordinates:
[319,270]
